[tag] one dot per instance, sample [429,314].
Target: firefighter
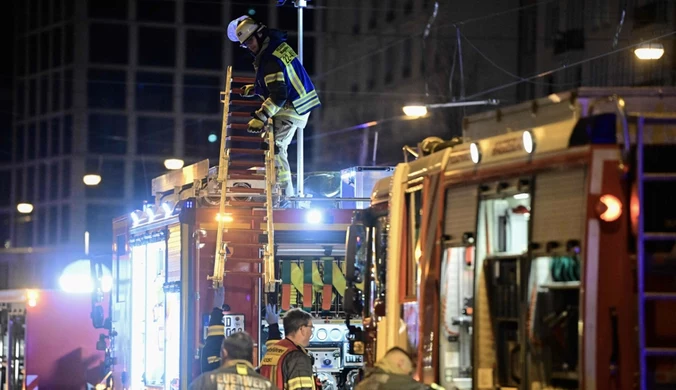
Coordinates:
[211,352]
[235,371]
[287,363]
[285,87]
[393,371]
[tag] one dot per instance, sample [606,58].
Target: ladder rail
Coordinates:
[269,265]
[640,256]
[220,256]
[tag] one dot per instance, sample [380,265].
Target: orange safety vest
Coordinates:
[273,362]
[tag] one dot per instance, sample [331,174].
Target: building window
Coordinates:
[65,179]
[30,184]
[391,11]
[148,10]
[44,50]
[70,47]
[56,91]
[33,53]
[375,11]
[5,188]
[65,223]
[155,136]
[32,97]
[31,145]
[18,186]
[44,94]
[144,172]
[42,182]
[107,9]
[408,6]
[34,14]
[55,141]
[112,178]
[203,13]
[108,43]
[20,105]
[6,144]
[5,222]
[551,23]
[44,140]
[154,91]
[41,224]
[157,46]
[407,58]
[203,49]
[196,133]
[99,223]
[57,13]
[23,231]
[356,17]
[107,133]
[20,148]
[20,55]
[201,94]
[54,181]
[56,47]
[53,224]
[67,134]
[575,15]
[390,60]
[287,17]
[68,90]
[106,89]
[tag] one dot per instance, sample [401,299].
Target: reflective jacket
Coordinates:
[288,366]
[233,375]
[211,352]
[278,63]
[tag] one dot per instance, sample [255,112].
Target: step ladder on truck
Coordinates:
[235,162]
[655,249]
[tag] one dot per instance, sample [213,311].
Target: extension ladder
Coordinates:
[246,224]
[656,290]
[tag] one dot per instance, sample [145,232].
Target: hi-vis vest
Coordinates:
[300,90]
[272,365]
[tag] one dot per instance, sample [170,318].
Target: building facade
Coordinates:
[110,87]
[577,30]
[377,58]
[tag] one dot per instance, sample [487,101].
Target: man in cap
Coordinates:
[284,85]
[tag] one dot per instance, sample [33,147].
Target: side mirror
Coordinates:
[354,253]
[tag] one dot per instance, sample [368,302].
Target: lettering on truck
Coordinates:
[507,146]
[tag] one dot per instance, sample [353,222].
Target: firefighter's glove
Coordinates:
[271,314]
[255,126]
[248,91]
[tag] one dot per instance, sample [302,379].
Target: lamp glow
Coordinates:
[76,278]
[314,217]
[474,153]
[166,208]
[523,195]
[173,164]
[24,208]
[91,180]
[528,142]
[649,51]
[415,111]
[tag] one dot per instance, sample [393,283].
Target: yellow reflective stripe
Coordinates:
[270,108]
[216,330]
[301,382]
[295,81]
[271,78]
[312,103]
[291,114]
[213,359]
[242,370]
[304,99]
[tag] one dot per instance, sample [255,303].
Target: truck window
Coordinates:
[411,264]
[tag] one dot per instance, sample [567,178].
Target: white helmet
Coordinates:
[246,29]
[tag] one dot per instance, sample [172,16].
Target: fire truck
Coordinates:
[217,226]
[540,257]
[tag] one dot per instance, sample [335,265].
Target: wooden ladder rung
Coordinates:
[249,274]
[247,151]
[244,80]
[245,102]
[244,138]
[245,190]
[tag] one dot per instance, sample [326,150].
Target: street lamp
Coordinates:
[418,110]
[24,208]
[649,51]
[91,179]
[173,164]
